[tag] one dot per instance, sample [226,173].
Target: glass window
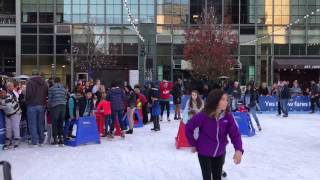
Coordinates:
[30,29]
[247,50]
[29,17]
[46,65]
[63,44]
[130,48]
[314,49]
[29,44]
[281,49]
[46,29]
[45,44]
[130,39]
[128,30]
[45,17]
[28,63]
[298,49]
[178,49]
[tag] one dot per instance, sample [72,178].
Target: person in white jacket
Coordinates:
[193,106]
[10,106]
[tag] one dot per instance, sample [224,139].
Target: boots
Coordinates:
[55,141]
[130,131]
[7,145]
[16,143]
[123,134]
[61,141]
[157,124]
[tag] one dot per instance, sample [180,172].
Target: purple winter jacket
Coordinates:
[212,140]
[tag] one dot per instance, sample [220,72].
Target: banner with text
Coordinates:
[297,103]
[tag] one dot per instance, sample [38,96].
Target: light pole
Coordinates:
[74,50]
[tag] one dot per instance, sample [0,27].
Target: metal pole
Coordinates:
[72,73]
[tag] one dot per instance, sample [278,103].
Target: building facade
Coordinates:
[277,40]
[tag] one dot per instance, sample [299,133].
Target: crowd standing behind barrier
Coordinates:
[300,99]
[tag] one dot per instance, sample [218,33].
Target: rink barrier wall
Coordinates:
[267,103]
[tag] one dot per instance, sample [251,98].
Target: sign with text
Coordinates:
[297,103]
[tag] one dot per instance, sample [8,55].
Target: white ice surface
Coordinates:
[286,149]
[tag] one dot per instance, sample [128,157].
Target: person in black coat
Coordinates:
[86,104]
[235,96]
[177,95]
[284,98]
[131,106]
[314,96]
[251,99]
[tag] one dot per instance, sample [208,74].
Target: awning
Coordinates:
[297,63]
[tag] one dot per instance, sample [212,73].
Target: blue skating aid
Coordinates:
[244,123]
[87,132]
[137,122]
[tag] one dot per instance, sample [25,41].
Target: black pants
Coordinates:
[211,167]
[314,100]
[156,124]
[150,111]
[58,114]
[279,107]
[165,104]
[145,113]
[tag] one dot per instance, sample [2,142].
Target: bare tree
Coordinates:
[94,56]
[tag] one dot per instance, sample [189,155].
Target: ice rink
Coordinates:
[286,149]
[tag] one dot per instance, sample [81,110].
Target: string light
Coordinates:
[287,27]
[132,20]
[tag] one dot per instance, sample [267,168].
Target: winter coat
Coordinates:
[263,91]
[22,104]
[315,90]
[236,92]
[57,95]
[284,93]
[142,98]
[295,91]
[104,107]
[71,111]
[165,92]
[131,99]
[176,93]
[194,107]
[155,94]
[212,140]
[252,96]
[116,96]
[187,109]
[37,91]
[9,105]
[82,105]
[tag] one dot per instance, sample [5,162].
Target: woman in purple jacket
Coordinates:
[215,122]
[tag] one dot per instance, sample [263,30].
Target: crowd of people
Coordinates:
[283,90]
[47,106]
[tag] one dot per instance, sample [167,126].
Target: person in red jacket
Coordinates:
[144,103]
[165,89]
[104,111]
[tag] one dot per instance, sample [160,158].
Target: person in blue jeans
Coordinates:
[36,94]
[284,98]
[251,97]
[116,96]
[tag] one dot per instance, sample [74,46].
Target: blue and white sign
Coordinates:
[297,103]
